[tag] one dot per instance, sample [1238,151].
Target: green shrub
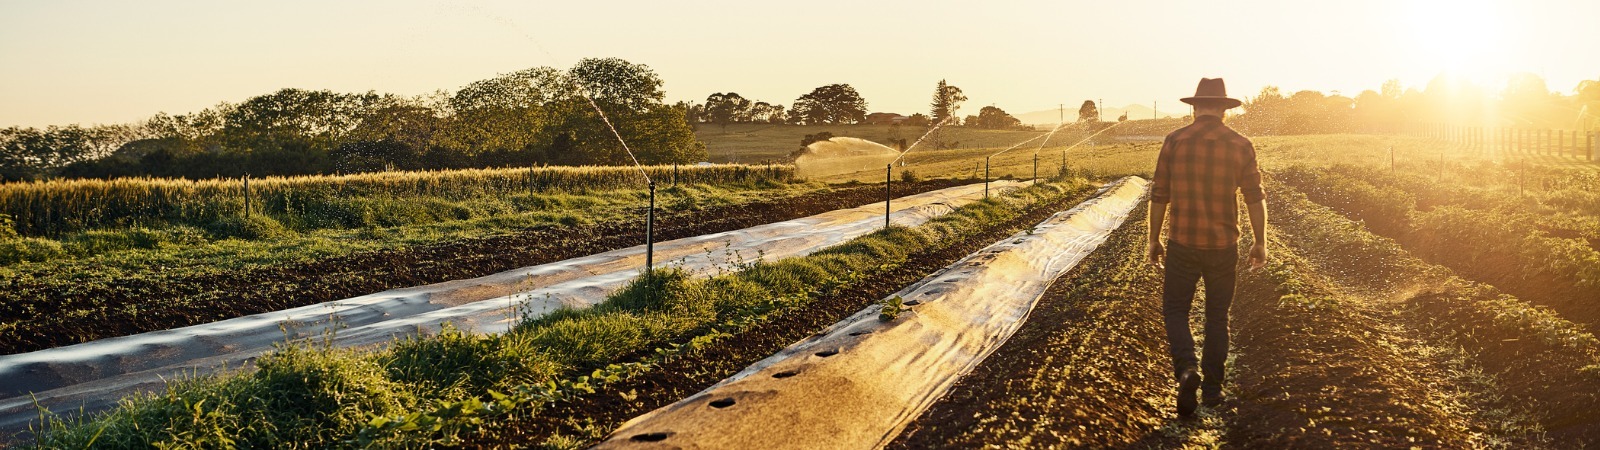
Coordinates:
[456,364]
[299,397]
[22,249]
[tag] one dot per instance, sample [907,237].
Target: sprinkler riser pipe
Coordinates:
[650,245]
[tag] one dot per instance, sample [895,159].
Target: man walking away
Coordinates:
[1200,168]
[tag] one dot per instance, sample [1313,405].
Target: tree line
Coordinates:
[1525,101]
[537,116]
[840,104]
[834,104]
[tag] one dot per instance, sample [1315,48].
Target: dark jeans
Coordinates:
[1185,267]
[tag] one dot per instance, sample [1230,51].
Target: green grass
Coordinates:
[436,390]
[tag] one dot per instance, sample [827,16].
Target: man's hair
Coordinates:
[1210,107]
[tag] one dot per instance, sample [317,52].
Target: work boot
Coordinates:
[1188,385]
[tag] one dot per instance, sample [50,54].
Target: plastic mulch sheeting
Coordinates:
[93,375]
[859,383]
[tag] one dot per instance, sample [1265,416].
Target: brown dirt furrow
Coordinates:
[1318,368]
[1088,368]
[586,418]
[53,315]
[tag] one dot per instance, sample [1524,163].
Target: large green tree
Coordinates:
[1089,112]
[724,109]
[994,118]
[613,82]
[831,104]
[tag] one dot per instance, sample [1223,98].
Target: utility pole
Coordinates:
[1099,108]
[1061,113]
[1154,113]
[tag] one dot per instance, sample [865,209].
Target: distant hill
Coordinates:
[1050,116]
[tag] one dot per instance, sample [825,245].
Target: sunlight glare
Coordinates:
[1464,38]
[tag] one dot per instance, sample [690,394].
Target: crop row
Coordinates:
[1530,376]
[1501,246]
[49,208]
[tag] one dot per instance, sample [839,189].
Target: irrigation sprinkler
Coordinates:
[986,176]
[1046,141]
[650,235]
[888,170]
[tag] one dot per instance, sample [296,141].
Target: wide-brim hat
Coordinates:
[1212,91]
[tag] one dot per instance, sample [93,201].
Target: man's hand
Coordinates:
[1258,256]
[1157,255]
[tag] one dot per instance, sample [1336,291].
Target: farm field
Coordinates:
[165,273]
[1438,350]
[703,225]
[573,344]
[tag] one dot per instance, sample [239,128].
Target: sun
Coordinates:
[1464,38]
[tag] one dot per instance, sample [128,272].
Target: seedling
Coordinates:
[892,307]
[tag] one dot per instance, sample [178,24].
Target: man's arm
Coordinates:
[1258,226]
[1160,195]
[1255,200]
[1155,251]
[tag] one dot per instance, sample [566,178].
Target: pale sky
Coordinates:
[88,62]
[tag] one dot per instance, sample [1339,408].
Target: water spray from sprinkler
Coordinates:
[888,169]
[1007,149]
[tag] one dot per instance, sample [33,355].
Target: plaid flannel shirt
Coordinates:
[1200,168]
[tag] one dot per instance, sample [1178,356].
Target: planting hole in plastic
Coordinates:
[722,402]
[827,353]
[786,374]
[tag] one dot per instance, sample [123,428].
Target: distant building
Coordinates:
[883,118]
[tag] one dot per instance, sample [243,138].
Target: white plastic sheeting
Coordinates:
[860,382]
[93,375]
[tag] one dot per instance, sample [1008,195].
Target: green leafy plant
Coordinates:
[892,307]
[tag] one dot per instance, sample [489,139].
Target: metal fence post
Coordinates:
[247,195]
